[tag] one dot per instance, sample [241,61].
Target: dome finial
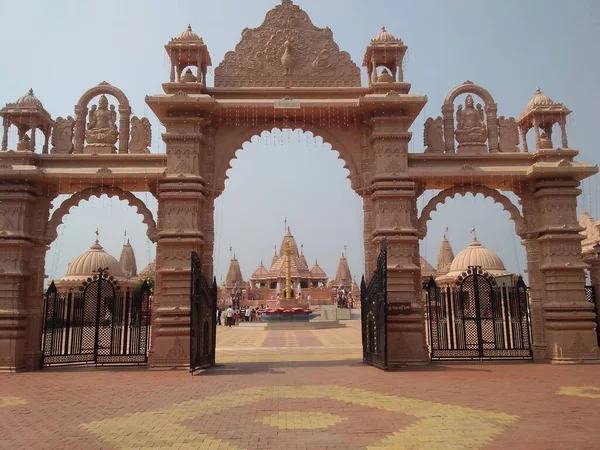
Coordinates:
[30,91]
[473,232]
[97,236]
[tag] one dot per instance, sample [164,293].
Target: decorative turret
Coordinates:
[541,114]
[388,52]
[343,275]
[127,261]
[27,114]
[184,51]
[302,257]
[234,274]
[445,257]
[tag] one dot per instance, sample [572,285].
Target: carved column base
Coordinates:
[572,341]
[13,326]
[170,339]
[33,361]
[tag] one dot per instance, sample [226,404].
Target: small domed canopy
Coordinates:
[29,101]
[189,35]
[90,261]
[384,36]
[539,99]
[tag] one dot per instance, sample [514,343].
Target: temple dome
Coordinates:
[234,274]
[260,273]
[384,36]
[189,35]
[342,274]
[91,260]
[477,255]
[288,237]
[149,271]
[127,261]
[539,99]
[29,101]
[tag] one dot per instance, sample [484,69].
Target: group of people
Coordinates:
[233,317]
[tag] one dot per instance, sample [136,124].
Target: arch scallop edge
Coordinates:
[342,144]
[86,194]
[515,214]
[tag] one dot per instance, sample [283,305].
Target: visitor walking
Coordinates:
[247,314]
[229,318]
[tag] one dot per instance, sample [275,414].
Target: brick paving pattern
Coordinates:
[302,390]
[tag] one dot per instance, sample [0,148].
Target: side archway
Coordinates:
[103,88]
[515,214]
[468,87]
[86,194]
[347,143]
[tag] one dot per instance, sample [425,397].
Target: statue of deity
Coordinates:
[470,129]
[102,126]
[545,140]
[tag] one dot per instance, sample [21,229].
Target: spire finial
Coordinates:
[30,91]
[189,27]
[538,90]
[231,252]
[97,235]
[474,233]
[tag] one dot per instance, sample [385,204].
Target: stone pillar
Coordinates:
[5,126]
[370,248]
[536,300]
[181,195]
[448,114]
[395,219]
[563,133]
[21,215]
[491,111]
[33,139]
[568,317]
[79,131]
[124,116]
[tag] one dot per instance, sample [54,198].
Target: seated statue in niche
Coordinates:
[102,126]
[470,128]
[545,140]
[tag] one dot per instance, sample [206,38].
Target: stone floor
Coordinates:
[303,390]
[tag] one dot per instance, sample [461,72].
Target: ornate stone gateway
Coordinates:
[290,74]
[478,319]
[203,323]
[100,324]
[374,310]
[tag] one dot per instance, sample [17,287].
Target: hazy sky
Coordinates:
[62,48]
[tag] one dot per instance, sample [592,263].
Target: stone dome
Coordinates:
[149,270]
[384,36]
[477,255]
[189,35]
[29,101]
[317,272]
[91,260]
[539,99]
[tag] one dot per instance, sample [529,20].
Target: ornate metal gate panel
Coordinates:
[99,324]
[478,320]
[373,305]
[203,324]
[590,293]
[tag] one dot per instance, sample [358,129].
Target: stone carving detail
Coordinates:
[6,167]
[434,135]
[104,171]
[62,135]
[508,134]
[141,135]
[287,50]
[102,126]
[470,124]
[176,352]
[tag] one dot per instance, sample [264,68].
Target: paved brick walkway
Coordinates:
[331,402]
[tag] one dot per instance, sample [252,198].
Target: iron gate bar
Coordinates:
[374,310]
[95,324]
[478,320]
[590,293]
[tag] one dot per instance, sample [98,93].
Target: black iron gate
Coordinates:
[373,306]
[590,293]
[478,319]
[99,324]
[203,324]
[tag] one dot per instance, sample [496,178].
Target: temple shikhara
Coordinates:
[289,73]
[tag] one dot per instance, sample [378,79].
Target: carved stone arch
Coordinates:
[515,214]
[347,143]
[81,115]
[110,191]
[468,87]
